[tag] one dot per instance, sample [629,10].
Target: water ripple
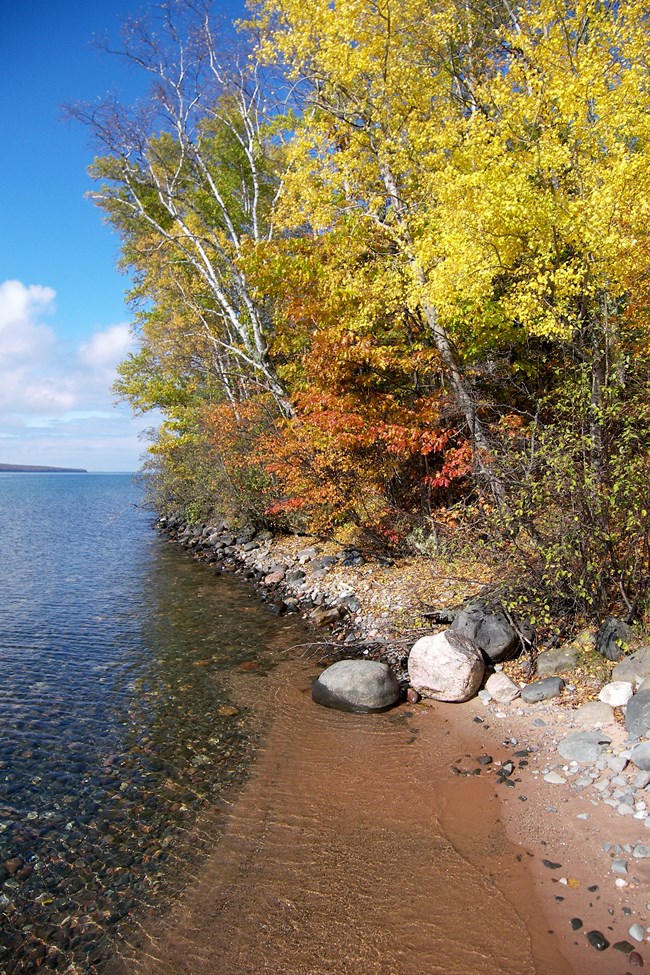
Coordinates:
[117,727]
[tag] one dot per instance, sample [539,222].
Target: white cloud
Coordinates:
[21,334]
[55,398]
[105,349]
[20,303]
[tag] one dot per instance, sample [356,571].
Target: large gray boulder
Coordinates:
[612,637]
[356,685]
[446,666]
[634,667]
[489,629]
[637,715]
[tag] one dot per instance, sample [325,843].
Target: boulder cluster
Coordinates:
[449,666]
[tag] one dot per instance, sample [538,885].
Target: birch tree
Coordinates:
[189,181]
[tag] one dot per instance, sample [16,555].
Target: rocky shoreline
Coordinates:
[566,741]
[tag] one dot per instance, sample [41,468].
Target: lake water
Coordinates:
[116,726]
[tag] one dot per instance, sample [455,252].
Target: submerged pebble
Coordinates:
[597,940]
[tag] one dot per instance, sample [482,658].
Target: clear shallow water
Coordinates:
[116,728]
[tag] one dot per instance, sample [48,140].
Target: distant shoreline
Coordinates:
[28,469]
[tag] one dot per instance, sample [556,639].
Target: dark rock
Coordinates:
[294,575]
[634,958]
[245,535]
[489,629]
[351,557]
[13,865]
[350,603]
[444,616]
[637,715]
[485,760]
[550,865]
[612,638]
[576,923]
[624,946]
[597,940]
[412,696]
[324,562]
[250,547]
[356,685]
[542,690]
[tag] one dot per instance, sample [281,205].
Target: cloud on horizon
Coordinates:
[56,405]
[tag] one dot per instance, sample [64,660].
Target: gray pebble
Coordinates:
[583,782]
[554,778]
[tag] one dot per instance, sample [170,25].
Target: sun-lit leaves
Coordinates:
[376,297]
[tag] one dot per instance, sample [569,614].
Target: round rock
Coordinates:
[594,714]
[583,746]
[542,690]
[446,667]
[556,661]
[617,693]
[356,685]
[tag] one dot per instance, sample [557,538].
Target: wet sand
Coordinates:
[354,848]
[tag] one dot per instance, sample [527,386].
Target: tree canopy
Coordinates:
[390,263]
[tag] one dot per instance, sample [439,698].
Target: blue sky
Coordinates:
[63,321]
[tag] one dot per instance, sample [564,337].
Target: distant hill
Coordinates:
[28,469]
